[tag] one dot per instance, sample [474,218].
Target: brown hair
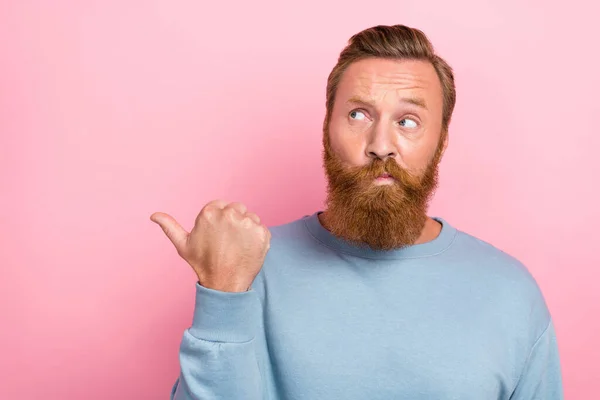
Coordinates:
[392,42]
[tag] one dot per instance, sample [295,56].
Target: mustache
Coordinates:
[379,167]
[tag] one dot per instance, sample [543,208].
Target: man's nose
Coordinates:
[381,144]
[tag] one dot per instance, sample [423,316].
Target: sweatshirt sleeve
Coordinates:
[217,354]
[541,379]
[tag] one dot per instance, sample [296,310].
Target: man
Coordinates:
[370,299]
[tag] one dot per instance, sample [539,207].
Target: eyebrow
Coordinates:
[417,101]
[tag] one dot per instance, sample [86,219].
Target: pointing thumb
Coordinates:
[175,232]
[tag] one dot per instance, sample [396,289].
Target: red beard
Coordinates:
[384,217]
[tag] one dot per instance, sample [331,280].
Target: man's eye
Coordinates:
[408,123]
[359,115]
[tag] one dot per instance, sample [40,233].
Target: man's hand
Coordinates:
[226,248]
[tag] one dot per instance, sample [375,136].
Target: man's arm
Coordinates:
[217,353]
[541,378]
[226,248]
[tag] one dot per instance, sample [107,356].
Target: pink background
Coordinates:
[111,110]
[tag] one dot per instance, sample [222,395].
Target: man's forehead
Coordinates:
[369,79]
[366,75]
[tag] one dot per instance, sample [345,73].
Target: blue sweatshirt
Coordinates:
[454,318]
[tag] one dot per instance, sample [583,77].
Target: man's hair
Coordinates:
[397,42]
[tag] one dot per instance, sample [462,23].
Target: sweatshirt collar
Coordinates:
[431,248]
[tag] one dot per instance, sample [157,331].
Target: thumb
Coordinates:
[175,232]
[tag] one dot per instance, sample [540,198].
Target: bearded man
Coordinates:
[371,298]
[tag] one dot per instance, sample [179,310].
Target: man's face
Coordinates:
[382,150]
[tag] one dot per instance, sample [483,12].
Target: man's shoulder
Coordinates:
[501,274]
[480,249]
[289,231]
[290,242]
[292,236]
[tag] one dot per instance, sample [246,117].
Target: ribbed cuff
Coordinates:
[225,316]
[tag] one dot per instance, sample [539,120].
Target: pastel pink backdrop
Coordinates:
[111,110]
